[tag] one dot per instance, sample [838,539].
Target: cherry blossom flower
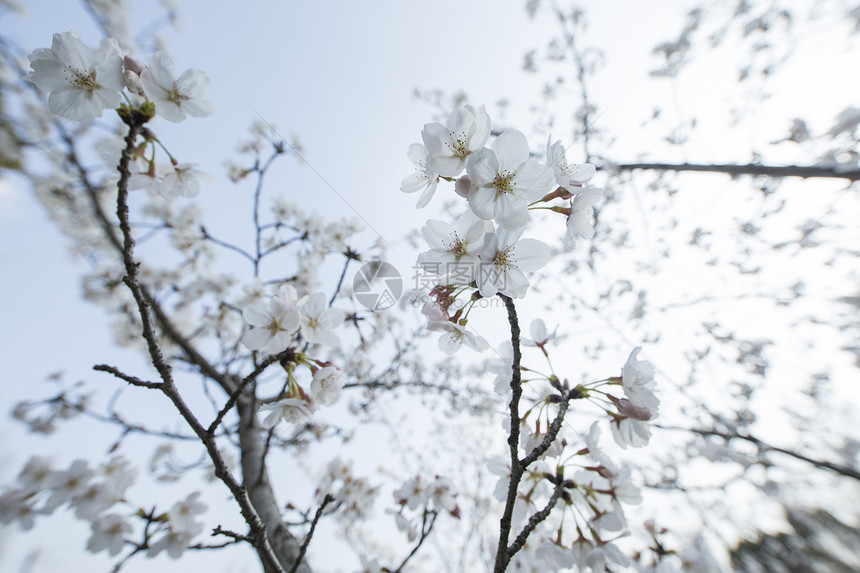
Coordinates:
[604,555]
[592,439]
[502,367]
[567,176]
[453,254]
[68,484]
[412,493]
[93,500]
[174,542]
[465,131]
[34,474]
[505,180]
[318,321]
[441,492]
[119,475]
[637,379]
[424,179]
[109,533]
[505,258]
[18,505]
[183,514]
[404,524]
[273,325]
[456,336]
[183,180]
[579,222]
[539,333]
[291,410]
[175,98]
[327,384]
[630,432]
[82,83]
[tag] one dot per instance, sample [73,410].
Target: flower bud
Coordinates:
[463,186]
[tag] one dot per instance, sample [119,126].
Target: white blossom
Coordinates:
[183,513]
[291,410]
[456,336]
[505,180]
[465,131]
[637,380]
[424,179]
[453,254]
[579,222]
[567,176]
[109,533]
[318,321]
[174,98]
[504,260]
[327,384]
[274,324]
[82,83]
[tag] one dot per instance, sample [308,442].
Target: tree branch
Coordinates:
[303,549]
[763,446]
[133,380]
[502,558]
[535,520]
[749,169]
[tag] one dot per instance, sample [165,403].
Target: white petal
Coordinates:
[512,149]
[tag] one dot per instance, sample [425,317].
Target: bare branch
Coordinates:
[425,532]
[133,380]
[502,558]
[749,169]
[535,520]
[303,549]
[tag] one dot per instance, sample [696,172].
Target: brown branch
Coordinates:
[803,171]
[502,558]
[763,446]
[257,527]
[551,434]
[425,532]
[535,520]
[238,391]
[303,549]
[133,380]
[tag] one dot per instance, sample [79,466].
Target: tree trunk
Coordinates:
[255,479]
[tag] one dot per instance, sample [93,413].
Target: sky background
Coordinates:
[340,77]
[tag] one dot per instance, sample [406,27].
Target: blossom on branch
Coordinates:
[505,258]
[175,98]
[505,180]
[82,83]
[424,179]
[465,131]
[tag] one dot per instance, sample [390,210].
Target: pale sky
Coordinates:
[340,76]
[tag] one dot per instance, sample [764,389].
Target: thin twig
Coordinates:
[535,520]
[133,380]
[425,532]
[327,500]
[239,389]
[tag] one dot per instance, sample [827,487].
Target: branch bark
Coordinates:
[803,171]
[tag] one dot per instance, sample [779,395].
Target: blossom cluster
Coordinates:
[485,249]
[354,496]
[416,494]
[93,494]
[275,324]
[82,82]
